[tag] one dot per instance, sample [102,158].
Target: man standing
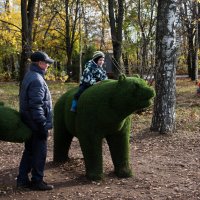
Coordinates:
[36,113]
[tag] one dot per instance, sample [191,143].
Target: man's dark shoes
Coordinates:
[25,185]
[41,186]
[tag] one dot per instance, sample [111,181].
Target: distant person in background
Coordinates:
[93,73]
[198,88]
[36,113]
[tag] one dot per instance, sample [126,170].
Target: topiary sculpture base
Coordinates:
[103,112]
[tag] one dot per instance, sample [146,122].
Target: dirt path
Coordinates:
[165,167]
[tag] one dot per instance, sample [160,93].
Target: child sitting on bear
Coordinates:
[93,73]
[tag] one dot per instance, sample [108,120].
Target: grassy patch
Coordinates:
[9,92]
[188,106]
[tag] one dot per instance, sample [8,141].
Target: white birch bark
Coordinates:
[163,119]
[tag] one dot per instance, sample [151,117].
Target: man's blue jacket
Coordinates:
[35,101]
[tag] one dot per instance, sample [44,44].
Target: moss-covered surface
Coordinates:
[103,112]
[12,129]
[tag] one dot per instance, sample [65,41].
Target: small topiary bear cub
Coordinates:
[12,129]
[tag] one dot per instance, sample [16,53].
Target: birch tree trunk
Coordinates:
[163,119]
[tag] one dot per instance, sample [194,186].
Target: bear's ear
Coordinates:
[121,78]
[136,75]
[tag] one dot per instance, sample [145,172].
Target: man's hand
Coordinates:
[50,132]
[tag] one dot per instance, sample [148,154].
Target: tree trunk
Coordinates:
[146,24]
[103,20]
[38,7]
[197,41]
[144,64]
[163,119]
[126,63]
[194,72]
[116,34]
[190,51]
[198,22]
[70,34]
[85,26]
[27,16]
[7,6]
[12,65]
[143,42]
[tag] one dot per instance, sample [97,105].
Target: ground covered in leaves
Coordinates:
[165,166]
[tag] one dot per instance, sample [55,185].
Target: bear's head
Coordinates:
[132,94]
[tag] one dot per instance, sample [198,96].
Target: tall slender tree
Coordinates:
[198,16]
[196,56]
[72,14]
[193,41]
[163,119]
[189,18]
[116,14]
[7,5]
[146,22]
[27,16]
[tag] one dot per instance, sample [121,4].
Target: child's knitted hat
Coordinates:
[97,55]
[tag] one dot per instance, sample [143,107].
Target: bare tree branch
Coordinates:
[11,24]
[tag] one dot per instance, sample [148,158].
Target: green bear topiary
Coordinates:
[103,112]
[12,129]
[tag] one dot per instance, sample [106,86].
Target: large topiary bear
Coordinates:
[103,112]
[12,129]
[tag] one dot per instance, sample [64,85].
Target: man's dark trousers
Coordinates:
[33,159]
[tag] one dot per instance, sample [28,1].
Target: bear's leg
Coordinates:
[62,142]
[119,149]
[92,152]
[62,139]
